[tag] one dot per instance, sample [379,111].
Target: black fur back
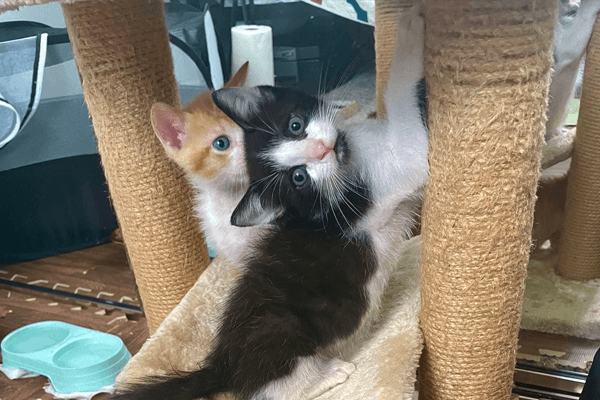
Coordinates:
[302,296]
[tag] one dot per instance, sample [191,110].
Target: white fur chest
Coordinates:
[393,160]
[388,223]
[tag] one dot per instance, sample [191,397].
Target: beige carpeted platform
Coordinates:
[386,362]
[556,305]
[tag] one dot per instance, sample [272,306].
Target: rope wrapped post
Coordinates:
[121,48]
[579,257]
[386,17]
[487,68]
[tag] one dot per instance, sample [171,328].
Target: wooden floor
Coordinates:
[556,352]
[98,277]
[107,301]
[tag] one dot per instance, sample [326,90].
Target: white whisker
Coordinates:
[272,131]
[350,185]
[273,179]
[336,220]
[279,181]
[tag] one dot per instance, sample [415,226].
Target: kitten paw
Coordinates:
[411,29]
[339,370]
[334,373]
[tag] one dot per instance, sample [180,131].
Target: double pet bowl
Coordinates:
[75,359]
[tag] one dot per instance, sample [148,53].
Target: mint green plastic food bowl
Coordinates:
[75,359]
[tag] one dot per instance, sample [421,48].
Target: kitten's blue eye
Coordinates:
[221,143]
[296,125]
[300,177]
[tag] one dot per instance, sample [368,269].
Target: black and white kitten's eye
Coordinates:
[296,125]
[300,177]
[221,143]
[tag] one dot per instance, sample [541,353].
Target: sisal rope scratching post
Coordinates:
[580,249]
[122,51]
[487,67]
[386,21]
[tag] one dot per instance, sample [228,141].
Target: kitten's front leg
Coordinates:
[407,67]
[312,377]
[411,36]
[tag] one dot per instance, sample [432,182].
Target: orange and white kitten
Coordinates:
[209,147]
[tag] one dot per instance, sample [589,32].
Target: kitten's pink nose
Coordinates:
[317,149]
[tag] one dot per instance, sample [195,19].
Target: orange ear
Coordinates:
[169,125]
[239,78]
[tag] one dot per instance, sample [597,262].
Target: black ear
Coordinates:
[239,104]
[251,212]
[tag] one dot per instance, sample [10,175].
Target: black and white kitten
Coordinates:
[335,205]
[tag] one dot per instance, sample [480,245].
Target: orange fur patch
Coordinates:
[208,164]
[203,104]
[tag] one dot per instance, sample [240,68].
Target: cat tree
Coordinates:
[487,70]
[580,248]
[121,48]
[487,65]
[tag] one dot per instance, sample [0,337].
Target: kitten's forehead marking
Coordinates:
[289,153]
[322,129]
[217,129]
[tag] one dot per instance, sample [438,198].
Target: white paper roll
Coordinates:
[253,43]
